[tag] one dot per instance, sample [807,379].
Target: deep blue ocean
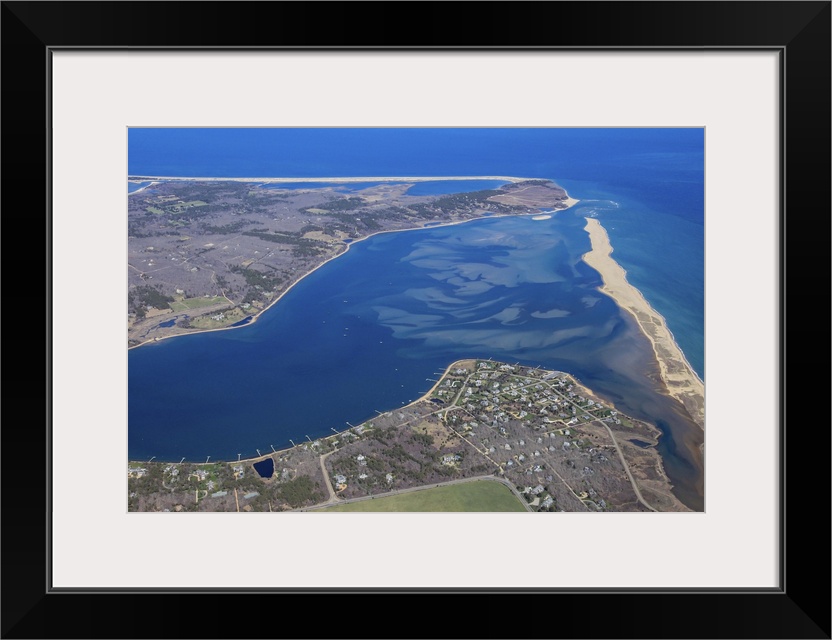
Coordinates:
[346,342]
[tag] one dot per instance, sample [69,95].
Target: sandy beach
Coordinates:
[678,376]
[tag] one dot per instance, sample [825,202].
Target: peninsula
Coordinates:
[548,440]
[210,254]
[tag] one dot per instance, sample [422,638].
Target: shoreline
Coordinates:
[570,202]
[140,189]
[333,180]
[425,396]
[679,378]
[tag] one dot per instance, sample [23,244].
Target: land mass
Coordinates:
[678,376]
[213,253]
[547,438]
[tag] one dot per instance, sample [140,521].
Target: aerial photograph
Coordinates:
[415,319]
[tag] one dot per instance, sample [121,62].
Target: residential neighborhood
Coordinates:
[550,439]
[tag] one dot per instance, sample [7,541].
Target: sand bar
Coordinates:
[678,376]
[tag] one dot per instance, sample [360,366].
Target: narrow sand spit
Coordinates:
[678,376]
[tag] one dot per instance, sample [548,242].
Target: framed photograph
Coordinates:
[109,92]
[512,358]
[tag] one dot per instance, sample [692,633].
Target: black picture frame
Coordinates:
[799,31]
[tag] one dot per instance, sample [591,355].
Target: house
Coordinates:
[339,479]
[389,478]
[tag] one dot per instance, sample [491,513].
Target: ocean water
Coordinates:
[345,342]
[345,187]
[443,187]
[664,256]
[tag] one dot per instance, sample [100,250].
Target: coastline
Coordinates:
[678,376]
[570,202]
[641,484]
[333,180]
[140,189]
[424,396]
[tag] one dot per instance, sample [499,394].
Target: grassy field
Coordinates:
[479,496]
[195,303]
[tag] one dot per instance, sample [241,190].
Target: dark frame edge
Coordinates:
[797,607]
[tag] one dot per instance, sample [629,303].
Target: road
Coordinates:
[333,498]
[627,469]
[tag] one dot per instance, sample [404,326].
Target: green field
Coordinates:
[195,303]
[479,496]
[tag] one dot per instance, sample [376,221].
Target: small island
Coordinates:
[536,434]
